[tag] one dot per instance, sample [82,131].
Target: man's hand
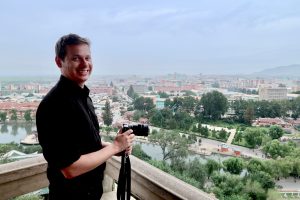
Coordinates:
[124,141]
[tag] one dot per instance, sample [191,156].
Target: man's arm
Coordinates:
[105,144]
[92,160]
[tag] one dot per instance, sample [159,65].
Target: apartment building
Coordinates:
[139,88]
[270,92]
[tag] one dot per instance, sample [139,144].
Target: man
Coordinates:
[68,128]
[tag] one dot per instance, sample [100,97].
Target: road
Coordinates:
[214,145]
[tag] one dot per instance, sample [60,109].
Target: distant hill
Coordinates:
[282,71]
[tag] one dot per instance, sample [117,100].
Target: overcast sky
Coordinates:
[152,36]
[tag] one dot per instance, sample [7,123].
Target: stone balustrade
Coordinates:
[147,182]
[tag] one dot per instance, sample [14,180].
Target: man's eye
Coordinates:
[75,59]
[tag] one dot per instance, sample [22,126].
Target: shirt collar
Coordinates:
[74,87]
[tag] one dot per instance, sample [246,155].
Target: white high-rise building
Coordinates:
[268,92]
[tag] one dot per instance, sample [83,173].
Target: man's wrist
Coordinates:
[116,148]
[104,144]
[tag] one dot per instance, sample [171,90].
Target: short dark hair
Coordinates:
[70,39]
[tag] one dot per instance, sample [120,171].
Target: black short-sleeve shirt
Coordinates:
[67,128]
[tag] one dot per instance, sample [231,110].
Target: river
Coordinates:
[156,153]
[15,132]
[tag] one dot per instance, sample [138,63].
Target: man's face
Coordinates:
[77,65]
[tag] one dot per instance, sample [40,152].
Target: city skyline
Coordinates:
[151,38]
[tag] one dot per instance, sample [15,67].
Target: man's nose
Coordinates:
[85,62]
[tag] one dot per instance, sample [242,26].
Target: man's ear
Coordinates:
[58,61]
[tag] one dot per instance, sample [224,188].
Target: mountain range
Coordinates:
[282,71]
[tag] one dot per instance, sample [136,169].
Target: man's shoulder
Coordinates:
[53,94]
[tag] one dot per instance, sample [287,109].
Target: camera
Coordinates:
[138,129]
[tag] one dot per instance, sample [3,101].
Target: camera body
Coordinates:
[138,129]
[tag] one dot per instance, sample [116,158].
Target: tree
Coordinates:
[254,165]
[275,149]
[222,134]
[270,109]
[167,113]
[272,168]
[203,130]
[130,92]
[171,124]
[265,179]
[149,105]
[163,95]
[211,166]
[296,107]
[138,114]
[239,107]
[188,104]
[130,108]
[168,103]
[253,137]
[255,190]
[108,129]
[238,136]
[215,105]
[161,118]
[226,185]
[157,118]
[27,115]
[171,144]
[142,103]
[273,194]
[234,165]
[192,139]
[184,120]
[249,115]
[189,93]
[3,116]
[237,197]
[197,171]
[115,99]
[107,115]
[178,165]
[14,116]
[286,167]
[275,132]
[296,166]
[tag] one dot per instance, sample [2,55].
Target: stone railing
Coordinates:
[147,182]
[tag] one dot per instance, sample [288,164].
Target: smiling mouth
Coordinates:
[84,71]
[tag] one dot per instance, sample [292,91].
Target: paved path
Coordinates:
[231,136]
[217,128]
